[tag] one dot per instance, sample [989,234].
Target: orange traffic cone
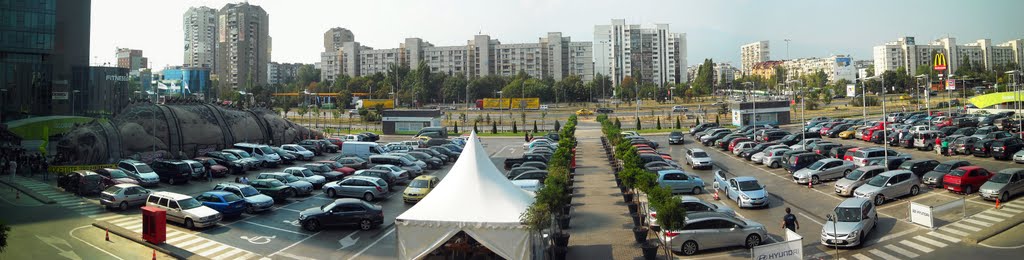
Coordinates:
[997,203]
[107,234]
[810,185]
[716,195]
[154,254]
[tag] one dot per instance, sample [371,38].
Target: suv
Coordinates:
[1003,149]
[865,155]
[140,172]
[800,161]
[234,164]
[173,172]
[254,201]
[920,166]
[183,209]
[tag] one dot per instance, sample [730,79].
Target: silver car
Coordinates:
[856,178]
[824,169]
[698,158]
[300,186]
[307,175]
[1018,157]
[692,205]
[365,187]
[849,224]
[757,157]
[773,158]
[254,200]
[746,191]
[742,145]
[709,230]
[122,196]
[1004,185]
[888,185]
[803,144]
[401,174]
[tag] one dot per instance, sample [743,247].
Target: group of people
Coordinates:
[16,160]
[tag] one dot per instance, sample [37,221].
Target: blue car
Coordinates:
[228,204]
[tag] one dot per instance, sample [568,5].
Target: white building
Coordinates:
[281,73]
[200,24]
[753,53]
[836,67]
[725,73]
[653,55]
[904,52]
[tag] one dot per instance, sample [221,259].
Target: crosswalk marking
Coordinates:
[214,250]
[133,227]
[965,226]
[189,242]
[861,257]
[1016,206]
[883,254]
[108,217]
[229,254]
[977,222]
[247,256]
[916,246]
[953,231]
[196,248]
[90,212]
[901,251]
[1002,214]
[63,198]
[1014,211]
[79,206]
[930,241]
[122,221]
[988,217]
[176,239]
[944,237]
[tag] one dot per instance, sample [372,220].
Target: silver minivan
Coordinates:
[849,223]
[889,185]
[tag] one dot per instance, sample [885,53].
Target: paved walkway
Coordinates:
[600,227]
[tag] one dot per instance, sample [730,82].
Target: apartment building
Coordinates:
[200,25]
[906,53]
[753,53]
[243,45]
[836,67]
[654,55]
[281,73]
[131,60]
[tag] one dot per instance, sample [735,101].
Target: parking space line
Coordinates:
[229,254]
[861,257]
[275,228]
[292,210]
[930,241]
[1011,205]
[195,239]
[963,226]
[901,251]
[80,206]
[916,246]
[991,218]
[944,237]
[123,220]
[977,222]
[108,217]
[214,250]
[995,212]
[372,244]
[91,212]
[293,244]
[896,235]
[882,254]
[180,238]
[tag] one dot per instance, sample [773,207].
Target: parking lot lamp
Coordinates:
[885,135]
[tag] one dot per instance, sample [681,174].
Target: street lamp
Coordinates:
[925,93]
[803,132]
[885,135]
[753,118]
[1016,94]
[74,94]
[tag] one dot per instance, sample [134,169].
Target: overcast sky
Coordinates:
[714,29]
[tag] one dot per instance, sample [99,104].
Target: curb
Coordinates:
[165,248]
[27,191]
[986,233]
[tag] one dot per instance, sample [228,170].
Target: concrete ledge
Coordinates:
[165,248]
[27,191]
[985,233]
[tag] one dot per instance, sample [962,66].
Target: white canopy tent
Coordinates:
[475,198]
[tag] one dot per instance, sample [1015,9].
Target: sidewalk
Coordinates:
[600,227]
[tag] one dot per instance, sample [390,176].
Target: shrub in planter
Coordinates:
[558,252]
[563,221]
[560,239]
[632,206]
[650,250]
[640,234]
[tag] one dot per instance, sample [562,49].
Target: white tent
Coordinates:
[475,198]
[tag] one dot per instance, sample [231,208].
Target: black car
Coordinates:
[82,182]
[173,172]
[878,137]
[286,157]
[342,212]
[328,146]
[701,127]
[800,161]
[227,160]
[982,148]
[747,153]
[675,137]
[713,138]
[839,152]
[313,146]
[371,137]
[604,110]
[920,166]
[448,152]
[772,135]
[1003,149]
[433,163]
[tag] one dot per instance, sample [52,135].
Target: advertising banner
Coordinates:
[922,215]
[787,250]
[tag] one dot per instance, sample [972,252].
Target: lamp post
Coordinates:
[885,135]
[1016,95]
[74,94]
[803,132]
[753,118]
[925,93]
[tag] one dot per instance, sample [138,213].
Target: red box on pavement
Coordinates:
[154,225]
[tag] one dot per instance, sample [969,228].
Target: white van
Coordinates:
[184,209]
[268,157]
[361,149]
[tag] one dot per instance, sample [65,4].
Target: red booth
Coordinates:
[154,225]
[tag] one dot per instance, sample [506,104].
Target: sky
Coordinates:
[714,29]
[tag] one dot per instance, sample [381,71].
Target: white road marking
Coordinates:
[1014,211]
[292,210]
[133,227]
[176,239]
[123,221]
[944,237]
[810,218]
[977,222]
[275,228]
[963,226]
[991,218]
[996,212]
[196,248]
[195,239]
[229,254]
[901,251]
[861,257]
[930,241]
[372,244]
[294,256]
[882,254]
[72,234]
[293,244]
[916,246]
[952,231]
[214,250]
[91,212]
[896,235]
[109,217]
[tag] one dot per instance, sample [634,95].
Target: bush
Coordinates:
[558,126]
[618,124]
[534,126]
[859,101]
[658,125]
[456,127]
[474,127]
[494,127]
[678,125]
[515,129]
[638,124]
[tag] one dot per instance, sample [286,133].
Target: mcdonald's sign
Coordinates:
[939,62]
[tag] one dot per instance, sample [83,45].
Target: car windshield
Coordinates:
[290,178]
[117,174]
[298,148]
[957,172]
[700,155]
[1000,178]
[419,184]
[847,214]
[230,157]
[675,134]
[307,172]
[878,181]
[143,168]
[855,175]
[232,198]
[749,185]
[816,165]
[249,191]
[943,167]
[244,154]
[189,203]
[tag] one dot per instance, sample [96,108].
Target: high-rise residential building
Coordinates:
[131,60]
[836,67]
[906,53]
[39,52]
[753,53]
[200,25]
[654,55]
[335,37]
[553,56]
[725,73]
[281,73]
[243,45]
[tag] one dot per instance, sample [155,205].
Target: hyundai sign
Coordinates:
[787,250]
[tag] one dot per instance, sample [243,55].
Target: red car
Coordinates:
[336,141]
[338,167]
[211,165]
[848,156]
[732,144]
[966,179]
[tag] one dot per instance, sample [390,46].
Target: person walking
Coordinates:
[945,147]
[938,145]
[789,221]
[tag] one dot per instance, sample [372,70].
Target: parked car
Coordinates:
[889,185]
[365,187]
[342,212]
[213,166]
[692,205]
[983,148]
[245,158]
[311,145]
[849,224]
[1003,149]
[115,176]
[308,175]
[273,188]
[1006,184]
[299,150]
[184,209]
[856,178]
[963,145]
[332,170]
[301,186]
[710,230]
[122,196]
[966,179]
[234,164]
[254,200]
[540,175]
[680,182]
[419,188]
[401,175]
[226,203]
[1018,157]
[388,178]
[865,155]
[824,169]
[139,171]
[698,158]
[746,191]
[286,156]
[799,161]
[173,172]
[353,162]
[773,158]
[675,137]
[935,177]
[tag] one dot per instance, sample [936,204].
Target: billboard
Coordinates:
[851,90]
[791,249]
[511,103]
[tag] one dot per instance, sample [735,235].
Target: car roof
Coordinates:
[688,199]
[663,172]
[854,202]
[170,195]
[696,150]
[894,172]
[745,178]
[217,192]
[694,216]
[426,177]
[274,173]
[296,168]
[969,167]
[126,185]
[830,160]
[363,177]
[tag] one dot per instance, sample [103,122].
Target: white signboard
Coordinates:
[60,96]
[788,250]
[851,90]
[950,84]
[922,215]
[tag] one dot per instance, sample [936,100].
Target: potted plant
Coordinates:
[671,216]
[640,233]
[650,250]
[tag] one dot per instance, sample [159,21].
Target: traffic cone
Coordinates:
[716,194]
[810,185]
[997,203]
[154,254]
[107,234]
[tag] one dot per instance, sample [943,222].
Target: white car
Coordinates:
[184,209]
[307,175]
[1019,157]
[698,158]
[298,150]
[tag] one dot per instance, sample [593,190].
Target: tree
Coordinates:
[678,125]
[307,74]
[4,231]
[658,124]
[704,81]
[344,99]
[475,130]
[618,124]
[557,126]
[534,126]
[494,127]
[515,129]
[638,124]
[456,127]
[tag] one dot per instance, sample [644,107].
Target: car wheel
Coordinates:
[689,248]
[249,209]
[915,190]
[1004,196]
[368,197]
[815,180]
[189,224]
[968,190]
[331,193]
[753,240]
[312,225]
[879,200]
[365,224]
[847,172]
[774,165]
[123,206]
[171,181]
[696,190]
